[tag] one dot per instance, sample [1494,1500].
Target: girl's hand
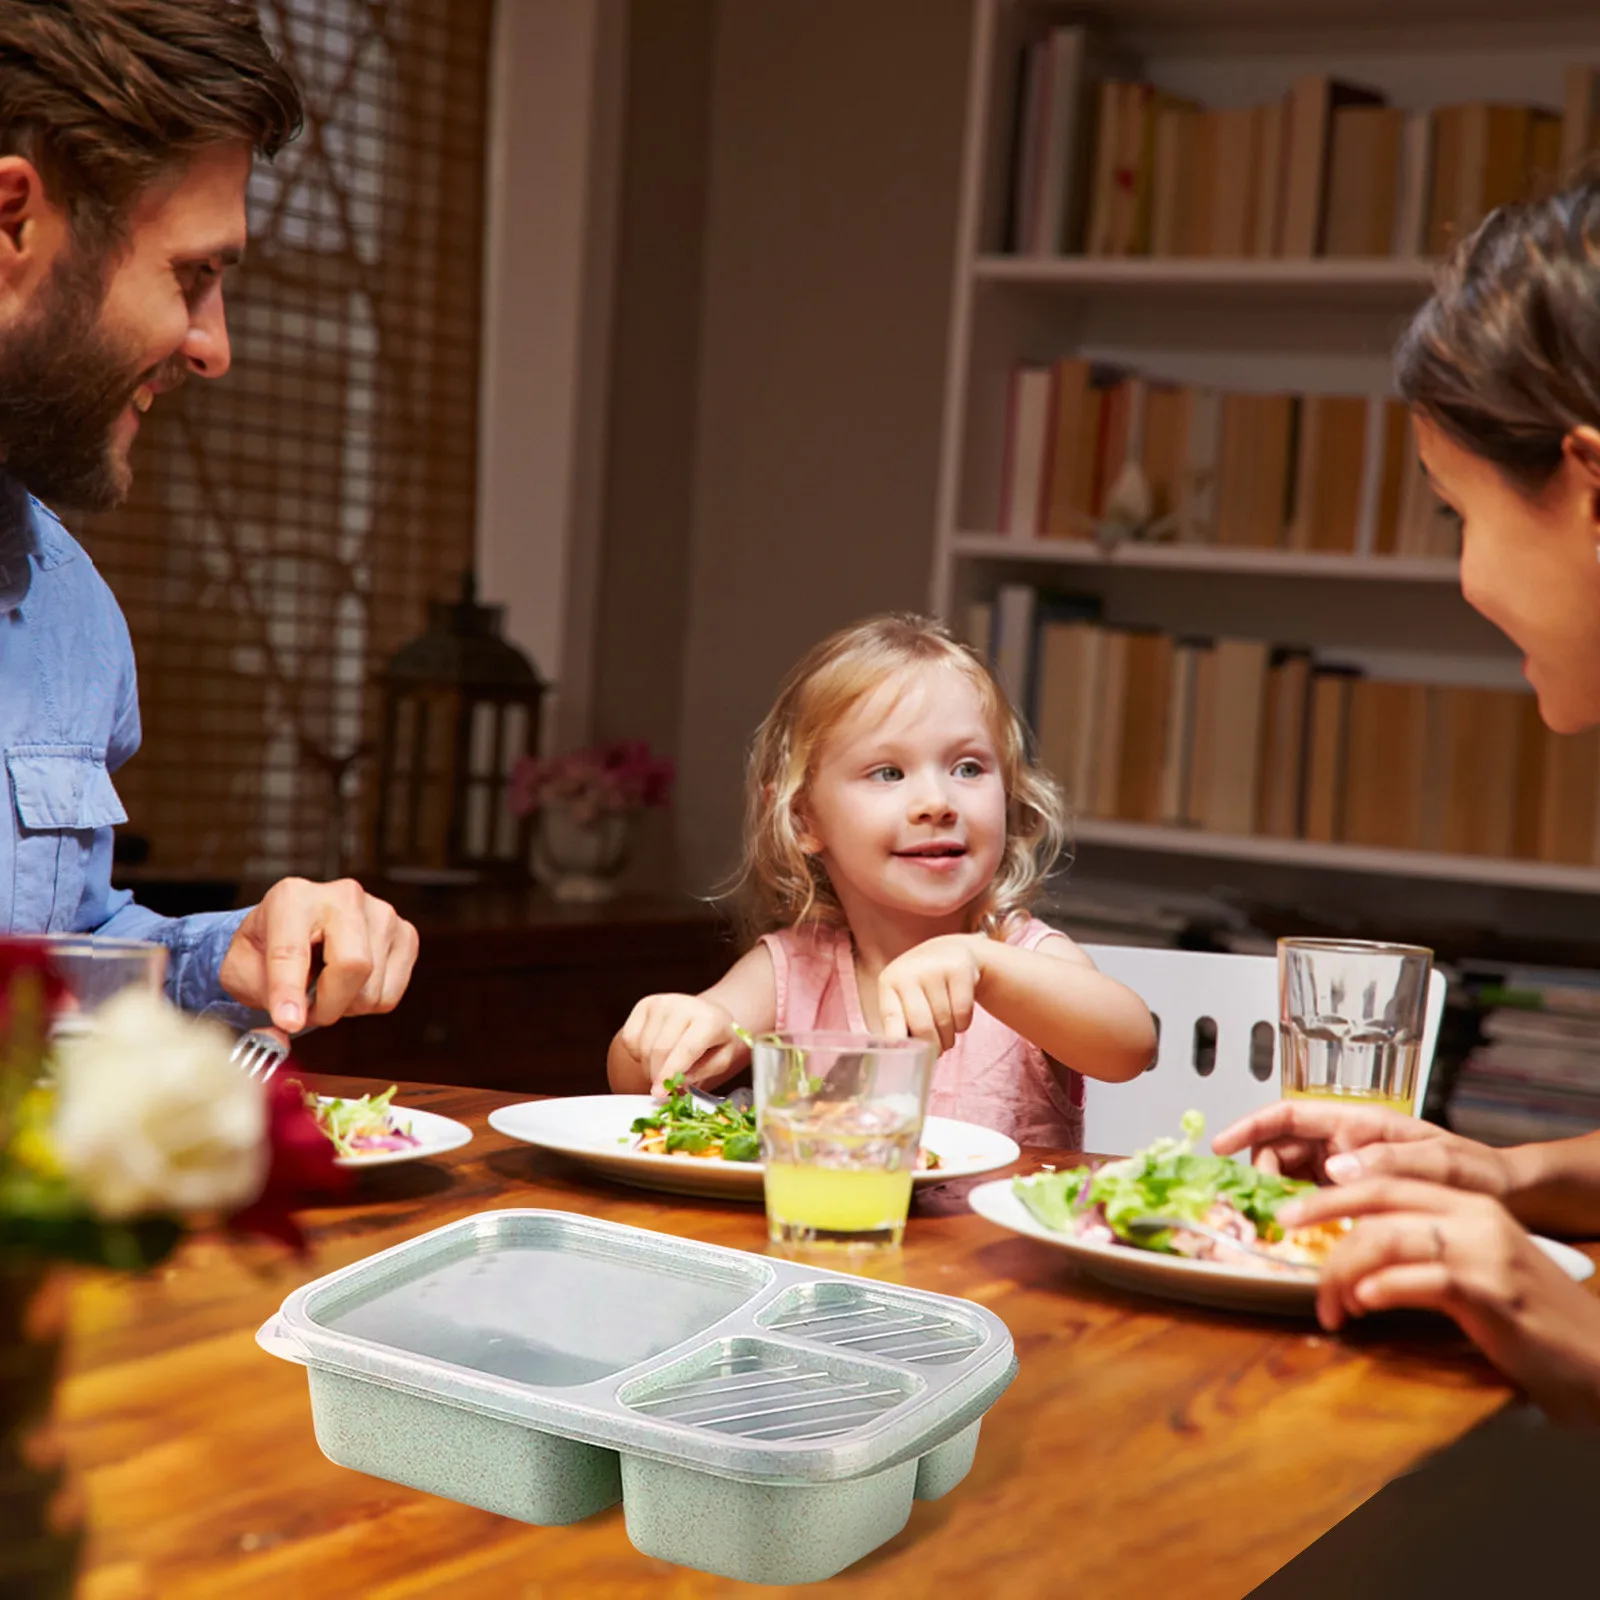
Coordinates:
[929,992]
[1427,1247]
[670,1034]
[1333,1143]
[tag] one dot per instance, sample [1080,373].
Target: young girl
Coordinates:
[895,831]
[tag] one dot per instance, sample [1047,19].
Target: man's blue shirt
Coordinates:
[69,718]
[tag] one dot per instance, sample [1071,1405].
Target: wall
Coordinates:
[647,518]
[829,245]
[556,118]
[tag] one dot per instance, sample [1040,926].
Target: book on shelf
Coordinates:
[1310,108]
[1326,742]
[1486,155]
[1329,477]
[1109,164]
[1254,464]
[1332,473]
[1239,736]
[1146,697]
[1011,639]
[1364,169]
[1030,399]
[1285,721]
[1580,115]
[1053,141]
[1122,204]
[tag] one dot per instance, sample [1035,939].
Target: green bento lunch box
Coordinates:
[758,1418]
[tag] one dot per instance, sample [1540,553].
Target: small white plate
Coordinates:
[596,1129]
[1206,1283]
[437,1135]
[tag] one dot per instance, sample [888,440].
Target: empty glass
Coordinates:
[94,969]
[840,1117]
[1351,1019]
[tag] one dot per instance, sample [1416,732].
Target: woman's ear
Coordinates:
[1581,447]
[1580,451]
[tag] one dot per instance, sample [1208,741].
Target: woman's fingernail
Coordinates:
[1343,1168]
[1289,1215]
[289,1015]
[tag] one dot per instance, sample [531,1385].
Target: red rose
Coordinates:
[300,1169]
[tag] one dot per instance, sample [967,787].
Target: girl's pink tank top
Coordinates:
[991,1075]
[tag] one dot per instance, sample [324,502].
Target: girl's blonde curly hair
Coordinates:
[780,885]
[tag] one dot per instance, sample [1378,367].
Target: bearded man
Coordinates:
[127,133]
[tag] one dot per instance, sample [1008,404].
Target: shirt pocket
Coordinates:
[63,797]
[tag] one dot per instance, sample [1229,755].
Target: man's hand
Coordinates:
[368,951]
[929,992]
[1426,1247]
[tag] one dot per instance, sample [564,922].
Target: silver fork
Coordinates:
[1154,1224]
[259,1054]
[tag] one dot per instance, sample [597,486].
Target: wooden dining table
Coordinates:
[1145,1447]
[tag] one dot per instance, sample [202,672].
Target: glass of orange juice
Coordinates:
[1351,1020]
[840,1117]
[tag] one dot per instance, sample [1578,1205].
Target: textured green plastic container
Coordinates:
[758,1418]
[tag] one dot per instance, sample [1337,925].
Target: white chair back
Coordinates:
[1218,1016]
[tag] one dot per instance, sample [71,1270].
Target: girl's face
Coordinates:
[1531,565]
[906,806]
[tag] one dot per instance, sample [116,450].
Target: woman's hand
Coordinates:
[929,992]
[1332,1143]
[669,1034]
[1423,1246]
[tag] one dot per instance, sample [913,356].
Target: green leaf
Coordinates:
[742,1146]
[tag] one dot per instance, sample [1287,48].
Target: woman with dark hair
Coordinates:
[1501,369]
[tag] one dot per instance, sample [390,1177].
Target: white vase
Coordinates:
[580,862]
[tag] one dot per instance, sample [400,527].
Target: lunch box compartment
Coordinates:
[754,1389]
[873,1322]
[759,1418]
[543,1304]
[481,1461]
[762,1532]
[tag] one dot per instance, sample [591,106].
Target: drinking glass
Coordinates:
[93,969]
[840,1117]
[1351,1019]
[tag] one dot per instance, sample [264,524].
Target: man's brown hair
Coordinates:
[104,96]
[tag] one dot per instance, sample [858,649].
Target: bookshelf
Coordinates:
[1262,324]
[1426,864]
[988,547]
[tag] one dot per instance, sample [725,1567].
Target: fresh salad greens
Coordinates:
[1168,1179]
[681,1126]
[360,1127]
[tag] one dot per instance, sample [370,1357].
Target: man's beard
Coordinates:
[63,386]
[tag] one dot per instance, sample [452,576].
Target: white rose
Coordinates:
[151,1115]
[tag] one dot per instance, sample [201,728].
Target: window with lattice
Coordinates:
[290,522]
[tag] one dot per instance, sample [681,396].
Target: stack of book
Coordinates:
[1269,471]
[1536,1072]
[1107,165]
[1239,736]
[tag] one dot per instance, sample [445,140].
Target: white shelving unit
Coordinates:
[1299,325]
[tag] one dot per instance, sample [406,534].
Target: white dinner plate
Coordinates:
[596,1129]
[437,1134]
[1206,1283]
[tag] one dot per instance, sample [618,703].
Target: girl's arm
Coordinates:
[1053,996]
[1057,999]
[692,1034]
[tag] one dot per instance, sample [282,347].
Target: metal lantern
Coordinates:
[460,706]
